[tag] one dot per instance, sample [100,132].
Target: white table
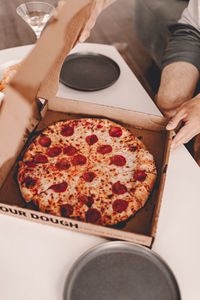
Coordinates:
[35,259]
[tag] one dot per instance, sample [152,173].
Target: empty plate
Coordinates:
[120,271]
[89,71]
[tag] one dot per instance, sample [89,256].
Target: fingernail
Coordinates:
[82,37]
[169,126]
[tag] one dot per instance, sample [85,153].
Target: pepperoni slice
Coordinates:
[70,150]
[59,188]
[66,210]
[88,123]
[54,151]
[120,205]
[140,175]
[45,141]
[29,182]
[119,188]
[87,200]
[78,160]
[103,149]
[63,164]
[89,176]
[93,216]
[91,139]
[118,160]
[40,158]
[115,131]
[30,164]
[67,130]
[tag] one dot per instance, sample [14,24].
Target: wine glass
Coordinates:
[36,15]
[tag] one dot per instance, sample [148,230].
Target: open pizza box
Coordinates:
[30,104]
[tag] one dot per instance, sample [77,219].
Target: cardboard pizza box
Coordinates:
[30,104]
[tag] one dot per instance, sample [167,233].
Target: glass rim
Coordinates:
[24,4]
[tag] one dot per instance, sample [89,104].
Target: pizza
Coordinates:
[88,169]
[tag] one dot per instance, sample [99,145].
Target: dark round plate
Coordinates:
[89,71]
[120,271]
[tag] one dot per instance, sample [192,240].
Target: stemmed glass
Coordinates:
[36,15]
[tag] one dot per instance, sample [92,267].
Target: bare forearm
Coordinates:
[178,83]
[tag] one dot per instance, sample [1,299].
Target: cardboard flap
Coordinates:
[39,74]
[124,115]
[17,120]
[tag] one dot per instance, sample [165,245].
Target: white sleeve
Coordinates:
[191,14]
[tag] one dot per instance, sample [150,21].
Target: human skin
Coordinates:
[175,100]
[97,7]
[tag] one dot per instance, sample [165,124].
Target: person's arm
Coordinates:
[180,74]
[177,85]
[174,98]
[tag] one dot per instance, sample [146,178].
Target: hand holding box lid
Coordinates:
[97,7]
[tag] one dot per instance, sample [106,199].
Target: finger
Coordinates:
[58,8]
[86,31]
[185,134]
[84,35]
[173,123]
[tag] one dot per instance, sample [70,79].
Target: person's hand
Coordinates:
[189,113]
[97,8]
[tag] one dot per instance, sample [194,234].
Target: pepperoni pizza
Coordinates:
[92,170]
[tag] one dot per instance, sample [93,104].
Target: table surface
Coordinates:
[35,259]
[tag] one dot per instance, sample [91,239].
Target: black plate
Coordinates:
[120,271]
[89,71]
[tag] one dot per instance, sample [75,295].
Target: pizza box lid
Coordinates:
[38,77]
